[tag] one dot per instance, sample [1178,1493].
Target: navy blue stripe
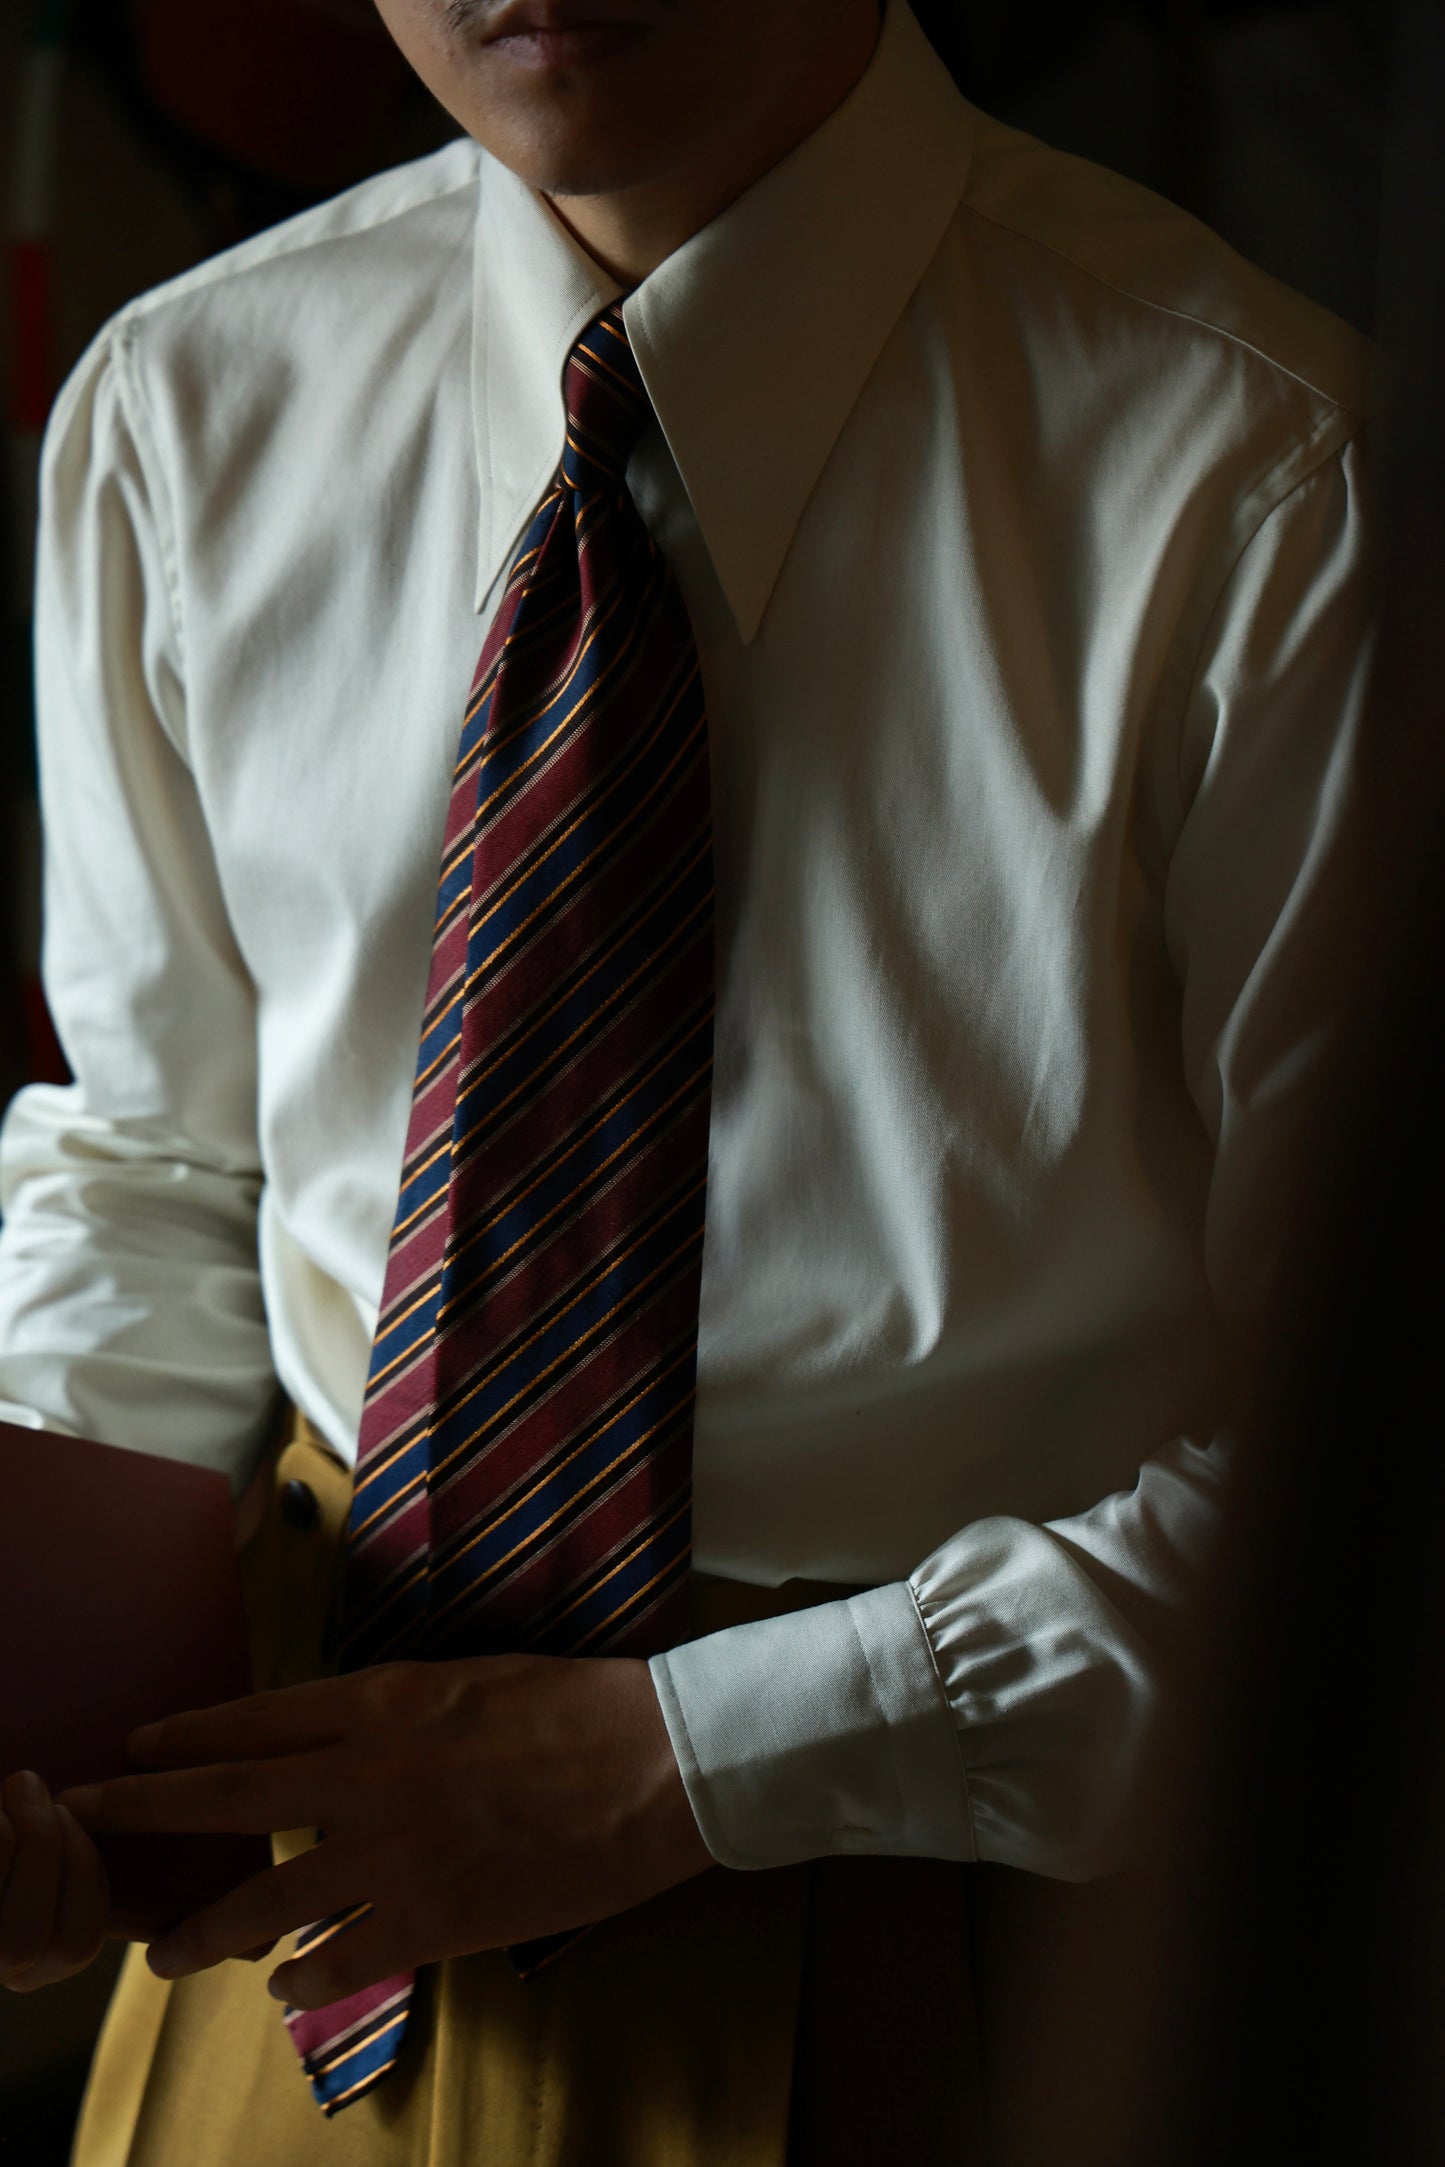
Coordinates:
[648,1424]
[623,1287]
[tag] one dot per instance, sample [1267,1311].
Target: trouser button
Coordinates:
[299,1508]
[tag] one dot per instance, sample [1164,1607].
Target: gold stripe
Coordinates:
[517,578]
[594,699]
[448,917]
[625,395]
[400,1496]
[489,745]
[451,1052]
[568,1355]
[537,1016]
[334,2061]
[522,634]
[540,1483]
[327,1930]
[572,722]
[349,2031]
[648,1535]
[474,1077]
[388,1322]
[551,1475]
[462,987]
[496,743]
[374,2077]
[603,1267]
[377,1384]
[434,1147]
[405,1228]
[478,1233]
[592,625]
[636,396]
[537,628]
[569,880]
[412,1353]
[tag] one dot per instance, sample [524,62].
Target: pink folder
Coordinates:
[120,1603]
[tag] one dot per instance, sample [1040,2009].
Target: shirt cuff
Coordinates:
[822,1731]
[1055,1696]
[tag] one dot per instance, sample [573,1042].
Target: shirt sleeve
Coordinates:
[130,1304]
[1000,1702]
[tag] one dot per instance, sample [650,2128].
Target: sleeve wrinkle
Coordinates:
[946,1712]
[1273,506]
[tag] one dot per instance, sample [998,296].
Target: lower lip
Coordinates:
[583,47]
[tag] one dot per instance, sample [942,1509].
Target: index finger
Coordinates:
[243,1798]
[287,1720]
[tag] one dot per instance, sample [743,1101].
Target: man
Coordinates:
[999,536]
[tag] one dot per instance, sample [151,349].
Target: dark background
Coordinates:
[1276,1985]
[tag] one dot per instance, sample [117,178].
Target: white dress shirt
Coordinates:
[1020,525]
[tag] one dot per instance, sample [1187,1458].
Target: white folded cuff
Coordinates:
[822,1731]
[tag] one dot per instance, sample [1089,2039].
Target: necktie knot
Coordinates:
[607,405]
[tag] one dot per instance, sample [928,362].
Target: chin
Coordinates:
[579,172]
[580,177]
[580,153]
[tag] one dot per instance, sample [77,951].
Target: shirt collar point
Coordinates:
[755,338]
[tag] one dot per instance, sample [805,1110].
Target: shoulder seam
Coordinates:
[1163,308]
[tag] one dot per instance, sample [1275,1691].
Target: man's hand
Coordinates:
[54,1900]
[471,1804]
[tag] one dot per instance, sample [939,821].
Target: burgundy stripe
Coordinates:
[521,1447]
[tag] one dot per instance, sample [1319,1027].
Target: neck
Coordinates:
[633,230]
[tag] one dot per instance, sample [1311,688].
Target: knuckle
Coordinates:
[267,1906]
[324,1980]
[394,1686]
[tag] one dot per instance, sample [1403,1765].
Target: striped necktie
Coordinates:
[524,1468]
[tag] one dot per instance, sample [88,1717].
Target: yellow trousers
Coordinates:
[815,2014]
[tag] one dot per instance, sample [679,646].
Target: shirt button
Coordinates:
[299,1508]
